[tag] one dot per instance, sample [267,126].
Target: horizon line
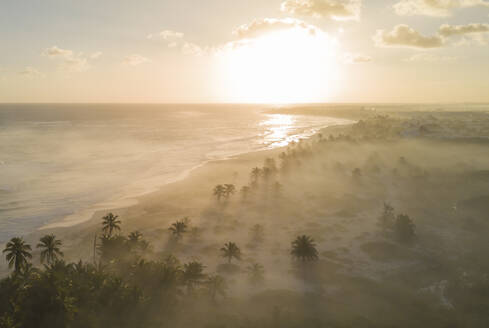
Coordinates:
[249,104]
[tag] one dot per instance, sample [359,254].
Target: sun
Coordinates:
[288,66]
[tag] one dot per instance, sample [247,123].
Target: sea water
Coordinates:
[59,163]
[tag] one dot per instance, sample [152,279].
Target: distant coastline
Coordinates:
[89,214]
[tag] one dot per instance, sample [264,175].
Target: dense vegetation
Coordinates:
[121,289]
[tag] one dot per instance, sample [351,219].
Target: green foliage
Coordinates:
[178,228]
[304,249]
[50,249]
[113,248]
[256,273]
[387,218]
[17,252]
[219,192]
[110,223]
[193,274]
[68,295]
[255,175]
[404,229]
[215,286]
[138,245]
[230,251]
[229,190]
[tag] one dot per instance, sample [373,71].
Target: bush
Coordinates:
[404,229]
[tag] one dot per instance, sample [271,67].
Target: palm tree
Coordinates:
[50,249]
[219,191]
[404,229]
[255,174]
[386,220]
[230,251]
[304,249]
[216,285]
[29,271]
[229,189]
[110,223]
[255,272]
[193,274]
[136,242]
[135,236]
[178,228]
[17,253]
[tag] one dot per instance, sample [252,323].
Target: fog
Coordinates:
[383,223]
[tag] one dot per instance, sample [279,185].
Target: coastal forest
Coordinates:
[381,223]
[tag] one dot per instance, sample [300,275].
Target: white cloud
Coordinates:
[176,40]
[351,58]
[437,8]
[335,9]
[55,51]
[268,25]
[405,36]
[244,33]
[477,39]
[75,64]
[427,57]
[96,55]
[134,60]
[167,35]
[191,49]
[451,30]
[70,61]
[30,72]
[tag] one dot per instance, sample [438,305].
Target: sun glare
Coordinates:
[291,66]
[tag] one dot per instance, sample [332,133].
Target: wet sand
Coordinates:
[153,213]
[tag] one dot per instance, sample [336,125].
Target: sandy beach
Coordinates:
[151,214]
[251,164]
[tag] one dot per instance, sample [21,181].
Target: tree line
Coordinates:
[122,288]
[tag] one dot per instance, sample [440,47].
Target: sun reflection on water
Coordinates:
[278,129]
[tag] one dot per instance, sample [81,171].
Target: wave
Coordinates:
[61,175]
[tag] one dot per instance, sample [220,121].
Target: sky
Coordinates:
[244,51]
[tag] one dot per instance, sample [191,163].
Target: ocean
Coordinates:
[60,163]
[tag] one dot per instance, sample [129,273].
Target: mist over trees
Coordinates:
[375,225]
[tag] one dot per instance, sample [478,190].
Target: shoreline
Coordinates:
[152,213]
[86,214]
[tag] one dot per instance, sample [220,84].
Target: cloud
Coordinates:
[56,51]
[134,60]
[96,55]
[478,39]
[30,72]
[350,58]
[269,25]
[171,37]
[334,9]
[436,8]
[405,36]
[70,61]
[427,57]
[176,40]
[245,34]
[451,30]
[191,49]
